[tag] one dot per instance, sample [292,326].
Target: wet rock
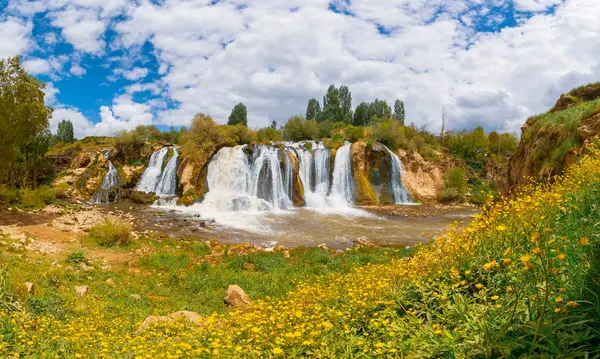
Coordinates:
[323,246]
[82,290]
[363,242]
[29,287]
[236,297]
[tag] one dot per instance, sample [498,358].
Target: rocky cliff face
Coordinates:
[423,179]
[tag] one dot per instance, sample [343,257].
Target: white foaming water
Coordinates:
[401,195]
[152,174]
[342,189]
[167,185]
[109,184]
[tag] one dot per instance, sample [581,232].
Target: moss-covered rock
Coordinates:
[364,193]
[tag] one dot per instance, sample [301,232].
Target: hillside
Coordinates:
[550,142]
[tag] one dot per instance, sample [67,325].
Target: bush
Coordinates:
[389,132]
[62,190]
[455,185]
[76,257]
[268,134]
[38,198]
[113,232]
[9,197]
[298,129]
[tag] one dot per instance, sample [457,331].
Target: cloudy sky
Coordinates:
[114,64]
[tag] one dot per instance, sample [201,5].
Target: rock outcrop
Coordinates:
[423,179]
[236,297]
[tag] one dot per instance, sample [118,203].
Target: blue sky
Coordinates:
[114,64]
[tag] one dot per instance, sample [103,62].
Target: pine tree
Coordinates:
[65,131]
[239,115]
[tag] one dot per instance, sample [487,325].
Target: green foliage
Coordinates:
[76,257]
[389,132]
[65,131]
[8,300]
[325,129]
[232,135]
[455,185]
[62,190]
[298,129]
[268,134]
[354,133]
[9,196]
[399,113]
[239,115]
[23,125]
[361,115]
[37,198]
[202,140]
[337,105]
[113,232]
[313,109]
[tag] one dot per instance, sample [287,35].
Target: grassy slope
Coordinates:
[554,134]
[521,280]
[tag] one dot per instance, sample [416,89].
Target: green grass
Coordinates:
[113,232]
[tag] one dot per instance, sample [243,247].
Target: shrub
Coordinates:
[298,129]
[389,132]
[62,190]
[76,257]
[113,232]
[9,197]
[38,198]
[455,185]
[268,134]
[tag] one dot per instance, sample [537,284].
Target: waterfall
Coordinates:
[110,184]
[152,174]
[400,193]
[168,180]
[237,182]
[161,181]
[289,175]
[342,190]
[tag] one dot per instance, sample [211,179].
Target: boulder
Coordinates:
[82,290]
[236,297]
[110,282]
[362,242]
[136,297]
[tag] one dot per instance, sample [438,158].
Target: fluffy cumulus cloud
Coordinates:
[487,62]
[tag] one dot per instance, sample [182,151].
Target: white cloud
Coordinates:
[36,66]
[50,94]
[275,54]
[14,37]
[135,74]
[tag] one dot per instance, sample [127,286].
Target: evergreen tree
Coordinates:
[313,110]
[399,111]
[65,131]
[274,125]
[239,115]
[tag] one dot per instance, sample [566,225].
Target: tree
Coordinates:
[239,115]
[345,98]
[399,111]
[65,131]
[379,109]
[361,115]
[313,110]
[274,125]
[298,129]
[23,123]
[331,105]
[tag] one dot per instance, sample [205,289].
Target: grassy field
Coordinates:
[520,281]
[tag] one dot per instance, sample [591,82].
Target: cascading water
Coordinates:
[400,193]
[110,185]
[342,189]
[289,174]
[168,181]
[238,183]
[152,175]
[162,181]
